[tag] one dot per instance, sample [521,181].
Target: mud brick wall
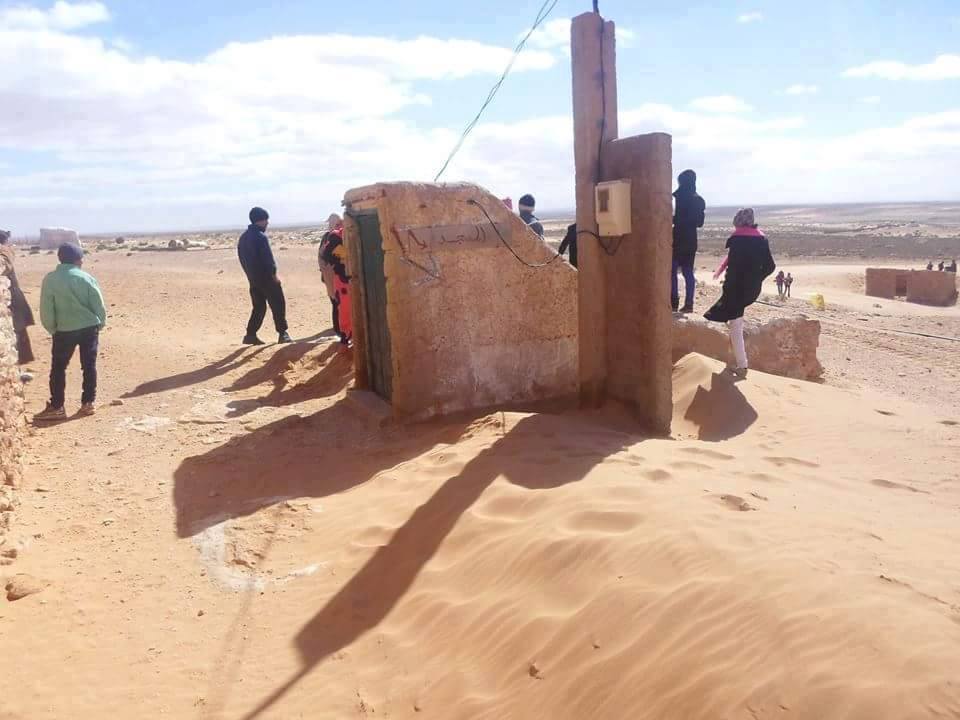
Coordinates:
[930,287]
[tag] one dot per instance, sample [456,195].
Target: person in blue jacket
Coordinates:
[256,259]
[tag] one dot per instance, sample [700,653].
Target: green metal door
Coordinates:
[375,304]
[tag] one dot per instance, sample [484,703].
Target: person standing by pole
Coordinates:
[256,259]
[73,312]
[688,216]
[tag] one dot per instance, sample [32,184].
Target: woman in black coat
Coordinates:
[748,264]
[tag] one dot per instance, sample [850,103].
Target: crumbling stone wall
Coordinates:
[11,414]
[785,346]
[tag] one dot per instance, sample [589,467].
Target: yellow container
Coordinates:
[818,302]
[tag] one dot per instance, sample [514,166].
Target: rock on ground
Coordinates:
[21,586]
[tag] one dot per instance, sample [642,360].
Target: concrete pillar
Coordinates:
[593,53]
[639,343]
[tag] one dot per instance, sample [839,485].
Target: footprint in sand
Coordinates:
[658,475]
[687,465]
[788,461]
[610,521]
[896,486]
[735,502]
[703,452]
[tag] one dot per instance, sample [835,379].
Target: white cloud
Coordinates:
[944,67]
[801,89]
[155,143]
[870,100]
[61,16]
[750,17]
[720,104]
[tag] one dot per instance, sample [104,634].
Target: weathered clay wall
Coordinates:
[470,325]
[883,282]
[11,416]
[931,287]
[637,273]
[785,346]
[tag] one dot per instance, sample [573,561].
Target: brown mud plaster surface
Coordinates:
[470,325]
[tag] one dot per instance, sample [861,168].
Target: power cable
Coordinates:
[542,15]
[535,266]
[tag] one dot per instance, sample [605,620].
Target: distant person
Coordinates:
[952,267]
[73,312]
[748,264]
[940,266]
[930,265]
[256,259]
[688,216]
[20,311]
[780,283]
[333,255]
[527,205]
[329,254]
[569,244]
[788,283]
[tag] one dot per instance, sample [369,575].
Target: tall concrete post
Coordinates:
[593,53]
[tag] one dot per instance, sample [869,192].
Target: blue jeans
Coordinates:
[685,265]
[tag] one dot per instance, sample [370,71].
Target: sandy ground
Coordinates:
[238,540]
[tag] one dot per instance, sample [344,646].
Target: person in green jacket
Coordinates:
[72,311]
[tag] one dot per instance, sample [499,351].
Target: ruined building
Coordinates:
[926,287]
[459,306]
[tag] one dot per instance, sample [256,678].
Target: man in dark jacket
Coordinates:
[687,217]
[527,206]
[569,244]
[257,262]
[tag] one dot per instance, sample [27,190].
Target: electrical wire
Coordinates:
[535,266]
[606,248]
[544,12]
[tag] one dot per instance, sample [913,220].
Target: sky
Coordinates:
[127,115]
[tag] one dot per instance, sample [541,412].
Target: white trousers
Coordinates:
[736,340]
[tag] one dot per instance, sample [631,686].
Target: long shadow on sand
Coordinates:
[722,412]
[230,362]
[252,474]
[334,374]
[194,377]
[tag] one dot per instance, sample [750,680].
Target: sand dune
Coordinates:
[271,553]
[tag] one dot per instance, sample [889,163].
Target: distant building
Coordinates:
[52,238]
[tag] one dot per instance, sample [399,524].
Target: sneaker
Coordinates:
[686,309]
[284,338]
[252,340]
[26,377]
[87,409]
[50,414]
